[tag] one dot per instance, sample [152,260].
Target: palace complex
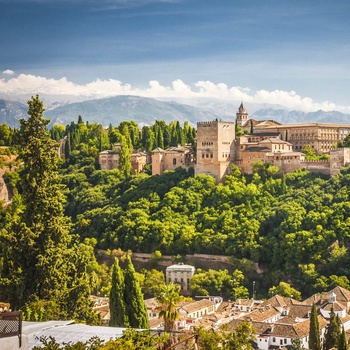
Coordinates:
[219,145]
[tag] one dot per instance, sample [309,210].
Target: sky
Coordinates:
[294,53]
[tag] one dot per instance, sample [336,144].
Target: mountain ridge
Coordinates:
[145,111]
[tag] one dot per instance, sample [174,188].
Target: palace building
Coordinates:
[218,146]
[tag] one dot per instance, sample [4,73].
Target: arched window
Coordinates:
[174,161]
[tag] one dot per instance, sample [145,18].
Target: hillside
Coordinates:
[285,116]
[11,112]
[143,111]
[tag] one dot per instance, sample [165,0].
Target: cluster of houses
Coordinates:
[277,321]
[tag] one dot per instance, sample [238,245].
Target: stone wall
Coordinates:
[5,193]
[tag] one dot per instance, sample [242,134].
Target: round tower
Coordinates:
[241,115]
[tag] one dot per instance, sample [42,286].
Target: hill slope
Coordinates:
[116,109]
[11,112]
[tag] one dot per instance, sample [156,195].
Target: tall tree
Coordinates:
[124,156]
[135,304]
[118,310]
[41,260]
[343,343]
[314,336]
[332,331]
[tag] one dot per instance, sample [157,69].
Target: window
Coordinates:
[174,161]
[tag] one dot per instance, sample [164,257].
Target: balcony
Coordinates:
[11,330]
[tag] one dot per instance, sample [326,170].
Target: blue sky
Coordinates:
[263,50]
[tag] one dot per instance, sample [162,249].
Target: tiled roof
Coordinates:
[257,149]
[336,306]
[197,305]
[261,314]
[275,140]
[279,301]
[244,302]
[342,294]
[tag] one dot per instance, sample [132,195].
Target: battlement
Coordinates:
[315,161]
[214,122]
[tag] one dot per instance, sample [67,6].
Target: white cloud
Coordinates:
[31,84]
[8,72]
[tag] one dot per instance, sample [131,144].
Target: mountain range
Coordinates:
[144,111]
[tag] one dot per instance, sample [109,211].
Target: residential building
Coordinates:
[180,274]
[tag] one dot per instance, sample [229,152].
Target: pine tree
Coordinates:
[314,336]
[332,331]
[136,308]
[119,317]
[41,260]
[342,343]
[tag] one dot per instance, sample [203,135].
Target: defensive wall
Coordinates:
[202,261]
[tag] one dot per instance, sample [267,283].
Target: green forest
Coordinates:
[295,226]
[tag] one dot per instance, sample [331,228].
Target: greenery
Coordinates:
[343,342]
[168,299]
[43,267]
[312,155]
[314,335]
[240,338]
[135,305]
[117,306]
[332,335]
[285,290]
[293,227]
[213,282]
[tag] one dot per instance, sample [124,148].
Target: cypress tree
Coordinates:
[41,260]
[342,343]
[136,308]
[332,331]
[67,146]
[124,157]
[314,336]
[119,317]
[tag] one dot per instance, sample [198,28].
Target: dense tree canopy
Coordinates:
[42,265]
[294,226]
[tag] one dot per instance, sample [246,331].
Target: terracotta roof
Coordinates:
[336,306]
[279,301]
[197,305]
[261,314]
[151,304]
[158,149]
[342,294]
[299,329]
[244,302]
[275,140]
[155,322]
[257,149]
[305,125]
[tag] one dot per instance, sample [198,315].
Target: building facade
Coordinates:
[172,158]
[180,274]
[109,159]
[215,148]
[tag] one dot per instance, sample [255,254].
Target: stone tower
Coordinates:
[215,148]
[241,115]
